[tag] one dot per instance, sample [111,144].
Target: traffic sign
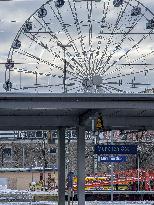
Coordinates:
[112,159]
[115,149]
[99,122]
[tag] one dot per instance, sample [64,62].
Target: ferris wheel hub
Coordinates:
[97,80]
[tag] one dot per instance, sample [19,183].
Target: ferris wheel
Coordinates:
[95,46]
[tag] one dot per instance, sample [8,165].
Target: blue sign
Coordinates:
[115,149]
[112,159]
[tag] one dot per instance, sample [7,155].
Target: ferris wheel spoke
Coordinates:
[76,22]
[79,67]
[28,72]
[132,62]
[68,54]
[61,21]
[54,54]
[111,36]
[41,86]
[116,49]
[25,53]
[126,53]
[115,89]
[41,44]
[118,69]
[128,74]
[89,8]
[75,68]
[120,43]
[105,12]
[49,31]
[107,89]
[122,40]
[132,27]
[46,62]
[57,67]
[77,88]
[90,33]
[44,25]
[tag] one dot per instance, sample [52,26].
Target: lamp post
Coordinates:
[68,168]
[63,46]
[2,157]
[44,159]
[95,135]
[138,168]
[23,156]
[112,178]
[32,173]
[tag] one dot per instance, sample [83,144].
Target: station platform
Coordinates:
[121,192]
[117,196]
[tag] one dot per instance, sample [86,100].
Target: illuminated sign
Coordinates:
[112,159]
[99,122]
[115,149]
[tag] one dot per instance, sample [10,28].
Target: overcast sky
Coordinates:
[20,10]
[14,13]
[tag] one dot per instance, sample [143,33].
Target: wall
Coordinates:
[21,180]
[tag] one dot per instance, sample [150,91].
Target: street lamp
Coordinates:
[112,178]
[68,167]
[138,167]
[63,46]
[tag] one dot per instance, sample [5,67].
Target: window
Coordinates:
[7,154]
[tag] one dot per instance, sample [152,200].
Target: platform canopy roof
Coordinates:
[49,111]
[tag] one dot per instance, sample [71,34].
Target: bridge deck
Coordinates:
[45,111]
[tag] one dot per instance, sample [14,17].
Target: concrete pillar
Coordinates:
[61,166]
[81,165]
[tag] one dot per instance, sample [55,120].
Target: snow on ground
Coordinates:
[87,203]
[28,195]
[9,191]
